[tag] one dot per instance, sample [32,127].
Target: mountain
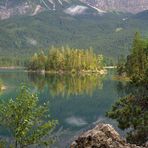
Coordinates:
[34,25]
[110,34]
[132,6]
[10,8]
[142,15]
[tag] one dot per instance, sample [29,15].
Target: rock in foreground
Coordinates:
[102,136]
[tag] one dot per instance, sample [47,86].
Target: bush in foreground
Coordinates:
[27,121]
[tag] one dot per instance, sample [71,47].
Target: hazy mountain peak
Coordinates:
[133,6]
[10,8]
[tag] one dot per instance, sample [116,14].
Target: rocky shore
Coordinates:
[102,136]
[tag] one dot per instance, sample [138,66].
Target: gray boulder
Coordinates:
[102,136]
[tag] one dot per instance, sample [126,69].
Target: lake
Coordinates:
[77,102]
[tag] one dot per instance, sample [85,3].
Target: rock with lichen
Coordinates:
[102,136]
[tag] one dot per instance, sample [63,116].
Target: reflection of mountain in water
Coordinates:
[66,85]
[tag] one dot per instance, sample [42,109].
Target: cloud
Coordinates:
[76,121]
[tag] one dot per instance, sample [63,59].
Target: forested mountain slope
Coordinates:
[110,34]
[66,23]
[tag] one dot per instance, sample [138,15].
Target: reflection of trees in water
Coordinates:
[121,88]
[132,112]
[38,80]
[66,85]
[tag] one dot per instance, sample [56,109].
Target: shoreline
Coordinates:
[100,72]
[11,67]
[110,67]
[20,67]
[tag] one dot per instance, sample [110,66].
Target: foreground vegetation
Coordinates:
[28,122]
[66,60]
[131,111]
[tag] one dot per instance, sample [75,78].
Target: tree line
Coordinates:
[66,59]
[135,65]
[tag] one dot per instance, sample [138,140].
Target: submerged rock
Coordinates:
[102,136]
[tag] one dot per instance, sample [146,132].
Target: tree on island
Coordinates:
[66,59]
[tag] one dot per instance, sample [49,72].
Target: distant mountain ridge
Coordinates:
[132,6]
[40,24]
[10,8]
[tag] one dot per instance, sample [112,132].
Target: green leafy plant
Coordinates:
[27,121]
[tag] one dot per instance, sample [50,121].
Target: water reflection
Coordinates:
[76,121]
[67,85]
[132,112]
[75,114]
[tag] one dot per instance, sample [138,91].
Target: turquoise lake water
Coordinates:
[77,102]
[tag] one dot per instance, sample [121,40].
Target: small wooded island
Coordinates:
[66,60]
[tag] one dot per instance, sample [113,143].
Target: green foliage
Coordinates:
[136,65]
[121,65]
[66,59]
[137,62]
[131,111]
[37,62]
[138,59]
[27,121]
[12,61]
